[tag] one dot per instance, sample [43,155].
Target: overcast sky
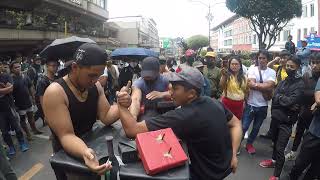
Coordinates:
[174,18]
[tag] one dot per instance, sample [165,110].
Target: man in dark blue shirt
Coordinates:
[7,117]
[310,148]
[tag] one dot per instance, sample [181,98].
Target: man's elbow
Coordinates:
[130,133]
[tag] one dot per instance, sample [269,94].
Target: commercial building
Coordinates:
[137,31]
[26,26]
[235,32]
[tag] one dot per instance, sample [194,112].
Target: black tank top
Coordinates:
[83,114]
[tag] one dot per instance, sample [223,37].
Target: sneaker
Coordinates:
[250,149]
[291,156]
[246,135]
[11,151]
[273,178]
[269,163]
[24,147]
[239,151]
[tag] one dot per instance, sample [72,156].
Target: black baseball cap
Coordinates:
[150,67]
[90,54]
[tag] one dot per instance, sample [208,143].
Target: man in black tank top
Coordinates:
[72,104]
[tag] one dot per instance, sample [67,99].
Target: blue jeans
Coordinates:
[255,114]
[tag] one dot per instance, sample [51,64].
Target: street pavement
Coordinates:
[34,164]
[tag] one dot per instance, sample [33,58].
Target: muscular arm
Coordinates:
[58,118]
[136,102]
[106,113]
[130,124]
[265,86]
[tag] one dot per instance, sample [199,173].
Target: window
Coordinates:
[305,32]
[312,10]
[100,3]
[299,34]
[286,33]
[228,33]
[254,39]
[305,11]
[312,30]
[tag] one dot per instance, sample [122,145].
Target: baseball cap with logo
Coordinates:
[189,75]
[150,67]
[90,54]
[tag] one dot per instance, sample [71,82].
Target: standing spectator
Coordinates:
[305,115]
[23,90]
[170,64]
[35,70]
[304,55]
[206,89]
[279,65]
[261,81]
[290,46]
[113,86]
[213,74]
[126,74]
[234,85]
[284,112]
[43,82]
[163,65]
[310,148]
[7,117]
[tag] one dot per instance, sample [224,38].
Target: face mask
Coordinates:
[291,73]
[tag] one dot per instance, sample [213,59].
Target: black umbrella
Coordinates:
[63,48]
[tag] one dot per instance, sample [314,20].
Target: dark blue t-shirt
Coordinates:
[5,100]
[315,124]
[161,85]
[21,94]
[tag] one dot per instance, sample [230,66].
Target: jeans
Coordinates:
[255,114]
[309,154]
[6,171]
[8,118]
[281,134]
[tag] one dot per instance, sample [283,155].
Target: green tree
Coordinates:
[197,41]
[267,17]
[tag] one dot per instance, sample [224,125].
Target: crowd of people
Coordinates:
[219,99]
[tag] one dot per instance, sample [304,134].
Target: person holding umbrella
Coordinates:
[74,102]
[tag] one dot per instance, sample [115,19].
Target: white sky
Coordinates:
[174,18]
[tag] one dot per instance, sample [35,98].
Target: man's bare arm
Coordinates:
[130,124]
[136,102]
[59,120]
[106,113]
[6,90]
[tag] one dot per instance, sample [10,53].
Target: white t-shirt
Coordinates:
[105,72]
[255,97]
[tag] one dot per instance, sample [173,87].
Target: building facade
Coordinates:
[27,26]
[137,32]
[245,39]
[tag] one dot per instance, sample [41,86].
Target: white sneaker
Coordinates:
[246,135]
[291,156]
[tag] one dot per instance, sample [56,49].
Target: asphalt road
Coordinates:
[34,163]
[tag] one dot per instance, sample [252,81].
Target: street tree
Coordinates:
[267,17]
[197,41]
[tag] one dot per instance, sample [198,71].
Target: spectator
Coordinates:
[213,74]
[150,88]
[290,46]
[309,153]
[305,115]
[35,70]
[212,143]
[43,82]
[170,64]
[304,55]
[23,91]
[6,171]
[126,74]
[279,65]
[284,112]
[261,81]
[7,116]
[234,85]
[206,89]
[163,65]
